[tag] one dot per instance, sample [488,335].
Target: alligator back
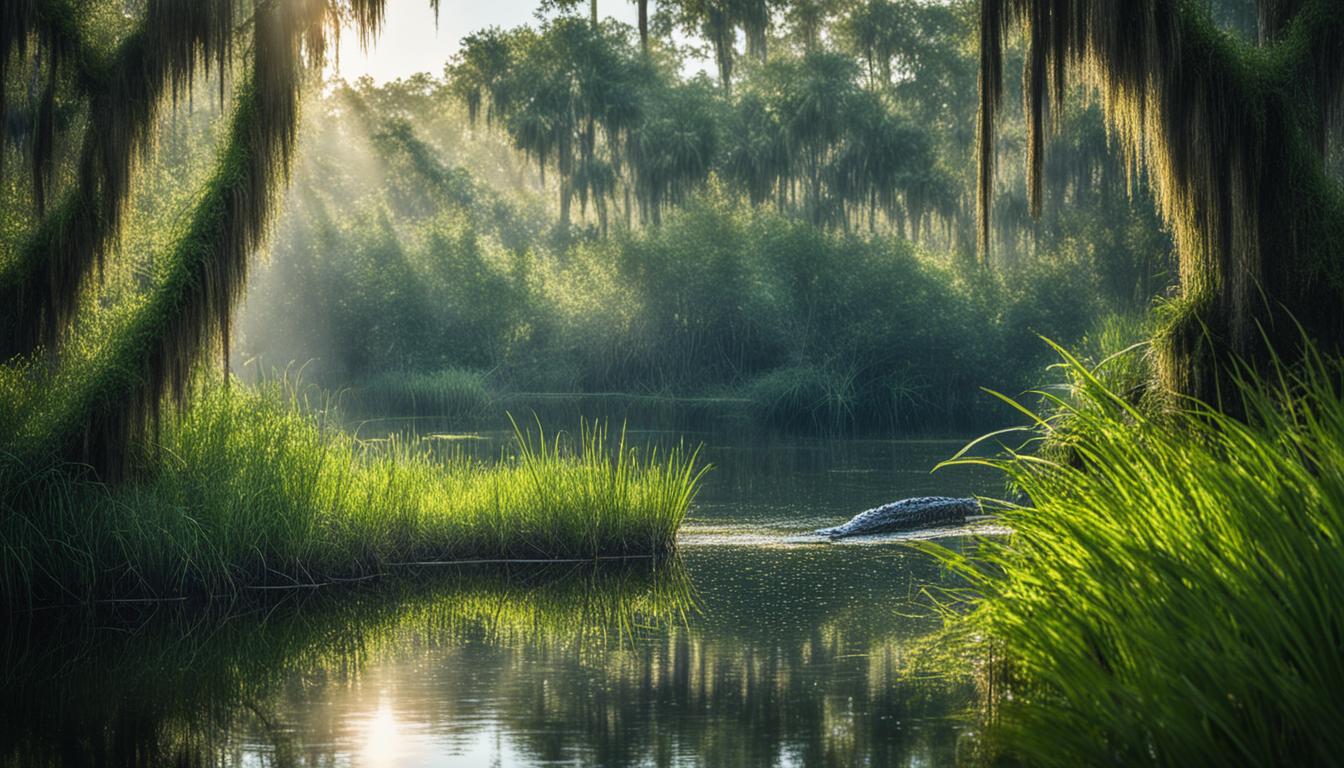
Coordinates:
[919,512]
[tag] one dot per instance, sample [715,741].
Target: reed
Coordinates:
[1167,597]
[819,398]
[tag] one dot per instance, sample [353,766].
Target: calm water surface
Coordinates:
[758,647]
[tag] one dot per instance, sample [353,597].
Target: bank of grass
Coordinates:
[1171,596]
[248,489]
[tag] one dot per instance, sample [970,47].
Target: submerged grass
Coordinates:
[249,490]
[1171,596]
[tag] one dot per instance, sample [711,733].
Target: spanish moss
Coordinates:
[1228,136]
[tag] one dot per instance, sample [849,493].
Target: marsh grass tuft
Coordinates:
[817,397]
[1170,596]
[251,489]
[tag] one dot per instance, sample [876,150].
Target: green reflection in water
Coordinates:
[178,685]
[748,650]
[729,656]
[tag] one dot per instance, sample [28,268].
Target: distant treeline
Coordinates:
[800,236]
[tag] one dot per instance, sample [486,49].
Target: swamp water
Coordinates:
[755,646]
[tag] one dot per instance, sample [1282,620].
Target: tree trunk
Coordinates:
[644,25]
[721,34]
[566,194]
[1232,153]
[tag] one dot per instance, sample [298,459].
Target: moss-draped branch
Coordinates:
[40,288]
[187,312]
[1232,138]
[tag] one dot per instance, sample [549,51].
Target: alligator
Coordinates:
[919,512]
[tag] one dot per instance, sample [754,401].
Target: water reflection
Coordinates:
[750,649]
[725,658]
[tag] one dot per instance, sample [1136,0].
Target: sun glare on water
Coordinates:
[382,738]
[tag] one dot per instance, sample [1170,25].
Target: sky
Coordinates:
[410,42]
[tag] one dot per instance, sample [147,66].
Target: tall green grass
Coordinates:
[249,489]
[457,394]
[1171,596]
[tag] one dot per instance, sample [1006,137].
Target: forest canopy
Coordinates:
[593,217]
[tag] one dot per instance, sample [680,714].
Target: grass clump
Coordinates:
[452,393]
[809,396]
[1169,597]
[250,490]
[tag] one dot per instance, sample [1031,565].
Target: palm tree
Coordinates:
[567,96]
[1233,137]
[808,18]
[674,145]
[876,30]
[716,21]
[756,156]
[815,94]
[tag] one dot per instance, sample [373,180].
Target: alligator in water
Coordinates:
[920,512]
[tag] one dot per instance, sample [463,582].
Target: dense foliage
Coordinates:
[117,69]
[799,242]
[1238,140]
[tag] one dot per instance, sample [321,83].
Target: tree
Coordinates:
[718,21]
[643,25]
[568,96]
[675,144]
[188,309]
[1233,137]
[570,5]
[808,18]
[877,30]
[714,20]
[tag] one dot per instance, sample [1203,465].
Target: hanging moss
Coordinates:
[51,25]
[40,289]
[1230,136]
[187,314]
